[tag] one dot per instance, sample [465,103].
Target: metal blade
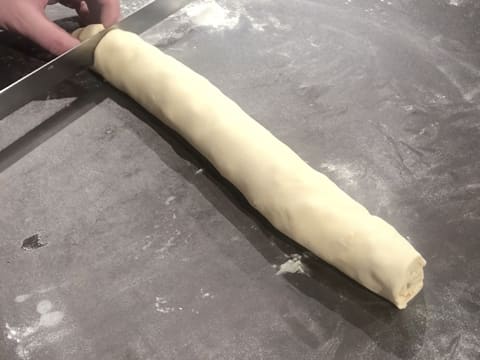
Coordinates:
[39,81]
[79,58]
[151,14]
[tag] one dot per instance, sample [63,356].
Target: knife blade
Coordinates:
[79,58]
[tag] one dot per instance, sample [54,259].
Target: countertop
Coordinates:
[150,254]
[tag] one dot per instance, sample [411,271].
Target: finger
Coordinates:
[81,7]
[106,12]
[83,12]
[45,33]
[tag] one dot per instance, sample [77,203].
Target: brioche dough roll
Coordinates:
[298,200]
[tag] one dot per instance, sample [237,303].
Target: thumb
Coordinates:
[45,33]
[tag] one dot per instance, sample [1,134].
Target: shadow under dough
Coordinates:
[398,332]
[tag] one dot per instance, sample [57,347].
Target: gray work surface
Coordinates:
[149,257]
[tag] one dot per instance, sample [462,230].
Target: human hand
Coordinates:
[27,17]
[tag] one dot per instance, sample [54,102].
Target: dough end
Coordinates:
[413,283]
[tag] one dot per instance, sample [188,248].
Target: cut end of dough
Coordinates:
[413,283]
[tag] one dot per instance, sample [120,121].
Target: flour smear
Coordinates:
[209,13]
[293,266]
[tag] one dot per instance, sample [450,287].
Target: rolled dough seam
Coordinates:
[299,201]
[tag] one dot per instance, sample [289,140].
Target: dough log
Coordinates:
[298,200]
